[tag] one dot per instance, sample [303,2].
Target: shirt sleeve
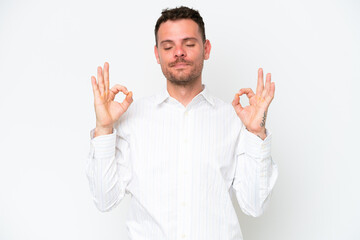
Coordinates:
[255,173]
[108,169]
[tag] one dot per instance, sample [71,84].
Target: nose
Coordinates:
[179,52]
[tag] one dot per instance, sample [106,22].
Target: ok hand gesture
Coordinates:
[254,115]
[107,110]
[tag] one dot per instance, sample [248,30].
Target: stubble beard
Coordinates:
[183,79]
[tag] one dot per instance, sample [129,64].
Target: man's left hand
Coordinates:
[254,115]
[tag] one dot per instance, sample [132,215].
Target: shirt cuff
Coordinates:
[255,146]
[103,146]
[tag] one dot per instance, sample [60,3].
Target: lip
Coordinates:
[181,65]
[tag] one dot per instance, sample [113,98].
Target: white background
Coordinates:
[49,50]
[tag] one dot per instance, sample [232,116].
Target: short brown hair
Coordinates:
[181,13]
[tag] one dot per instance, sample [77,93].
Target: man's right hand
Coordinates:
[107,110]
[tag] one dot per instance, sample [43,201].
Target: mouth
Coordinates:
[180,65]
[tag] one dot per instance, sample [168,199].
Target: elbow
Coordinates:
[106,203]
[256,208]
[107,206]
[103,208]
[257,213]
[254,212]
[261,208]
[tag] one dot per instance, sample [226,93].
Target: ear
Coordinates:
[156,54]
[207,48]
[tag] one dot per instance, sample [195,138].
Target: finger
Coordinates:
[270,95]
[117,88]
[260,83]
[267,85]
[101,81]
[272,90]
[248,91]
[236,103]
[106,76]
[95,87]
[127,101]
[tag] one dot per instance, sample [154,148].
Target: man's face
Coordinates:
[181,51]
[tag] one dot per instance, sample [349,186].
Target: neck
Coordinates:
[184,93]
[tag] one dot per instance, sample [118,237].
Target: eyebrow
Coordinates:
[166,41]
[184,40]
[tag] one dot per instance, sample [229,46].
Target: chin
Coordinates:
[179,82]
[181,77]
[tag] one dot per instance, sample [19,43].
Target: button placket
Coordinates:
[183,178]
[186,205]
[180,178]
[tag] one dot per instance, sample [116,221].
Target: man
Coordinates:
[179,153]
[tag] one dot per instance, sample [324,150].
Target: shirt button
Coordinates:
[185,172]
[185,140]
[186,113]
[183,204]
[183,236]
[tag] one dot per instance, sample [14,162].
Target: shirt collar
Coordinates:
[164,95]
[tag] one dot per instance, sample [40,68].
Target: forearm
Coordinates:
[256,175]
[107,178]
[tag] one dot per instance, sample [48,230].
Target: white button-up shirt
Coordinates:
[180,165]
